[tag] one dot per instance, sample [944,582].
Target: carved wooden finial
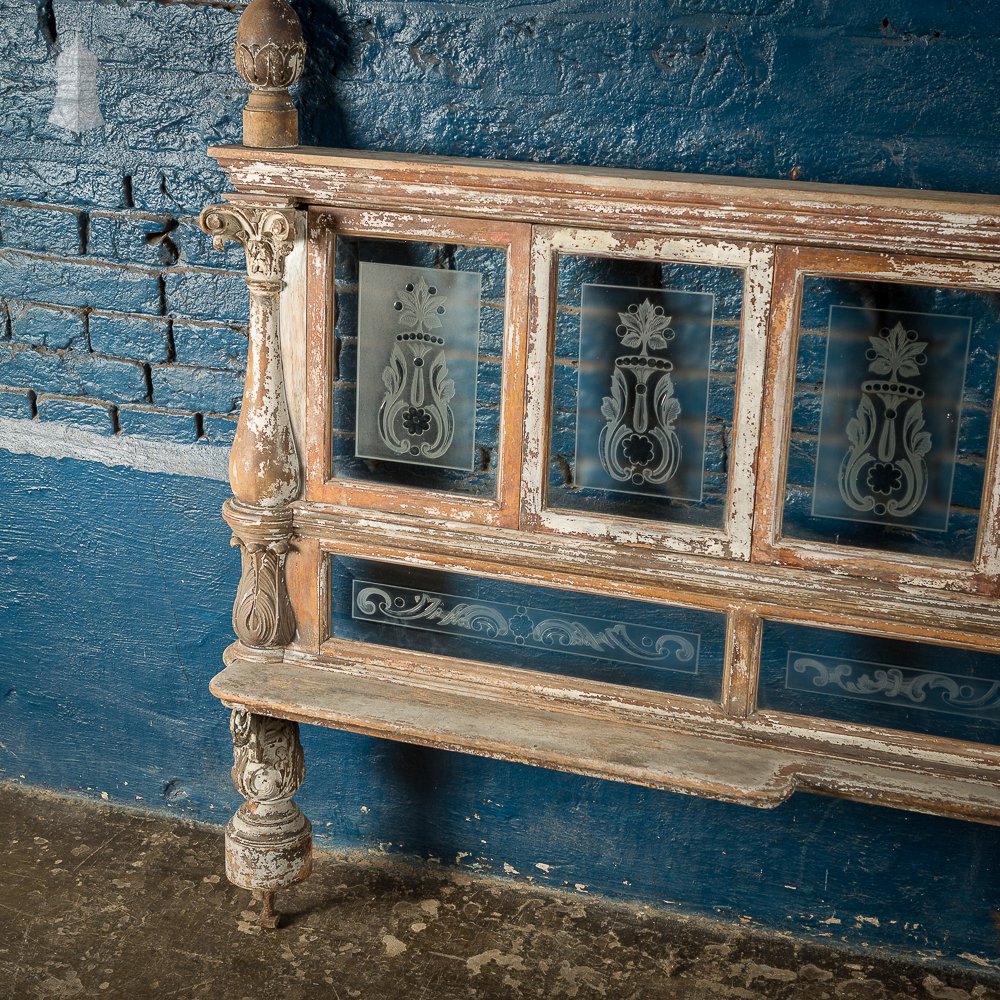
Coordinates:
[270,55]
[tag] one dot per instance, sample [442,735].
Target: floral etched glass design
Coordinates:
[540,628]
[418,338]
[643,388]
[416,404]
[891,683]
[891,415]
[892,401]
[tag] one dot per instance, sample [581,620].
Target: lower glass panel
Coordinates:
[890,683]
[615,640]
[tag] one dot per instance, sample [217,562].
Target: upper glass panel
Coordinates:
[610,639]
[418,341]
[643,388]
[891,416]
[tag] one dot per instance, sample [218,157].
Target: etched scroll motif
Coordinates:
[415,417]
[418,356]
[885,471]
[526,626]
[638,443]
[908,687]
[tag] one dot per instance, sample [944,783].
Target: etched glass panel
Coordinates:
[890,683]
[644,388]
[417,404]
[539,628]
[418,337]
[892,408]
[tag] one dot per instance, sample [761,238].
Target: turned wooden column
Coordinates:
[269,840]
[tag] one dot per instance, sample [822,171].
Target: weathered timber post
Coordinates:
[268,840]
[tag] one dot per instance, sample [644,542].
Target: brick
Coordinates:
[210,346]
[211,295]
[35,179]
[46,326]
[141,338]
[196,248]
[218,430]
[17,403]
[45,228]
[79,283]
[87,414]
[133,238]
[169,191]
[185,388]
[71,373]
[161,425]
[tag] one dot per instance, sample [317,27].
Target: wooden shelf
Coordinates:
[355,698]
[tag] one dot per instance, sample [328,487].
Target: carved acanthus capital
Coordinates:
[268,764]
[266,234]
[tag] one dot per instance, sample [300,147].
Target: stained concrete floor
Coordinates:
[102,902]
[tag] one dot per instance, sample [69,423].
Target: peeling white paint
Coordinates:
[53,440]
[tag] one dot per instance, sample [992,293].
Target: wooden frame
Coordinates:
[548,244]
[978,574]
[287,668]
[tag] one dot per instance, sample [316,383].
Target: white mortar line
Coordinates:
[53,440]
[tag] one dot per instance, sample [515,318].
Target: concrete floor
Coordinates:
[101,902]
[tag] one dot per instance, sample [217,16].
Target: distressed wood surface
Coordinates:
[727,749]
[732,208]
[363,701]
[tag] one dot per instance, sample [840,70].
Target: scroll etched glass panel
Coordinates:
[417,404]
[418,337]
[891,683]
[892,409]
[643,388]
[520,625]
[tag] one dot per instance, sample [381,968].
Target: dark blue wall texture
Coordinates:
[117,317]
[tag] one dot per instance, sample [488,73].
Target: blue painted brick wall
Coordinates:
[117,315]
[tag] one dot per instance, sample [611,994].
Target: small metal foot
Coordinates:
[269,919]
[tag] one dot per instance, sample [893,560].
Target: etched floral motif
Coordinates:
[525,626]
[884,471]
[638,443]
[884,478]
[415,418]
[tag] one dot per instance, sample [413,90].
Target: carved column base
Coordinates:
[268,848]
[269,840]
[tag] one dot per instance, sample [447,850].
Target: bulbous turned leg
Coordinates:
[269,840]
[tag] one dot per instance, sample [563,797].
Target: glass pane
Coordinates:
[539,628]
[644,388]
[418,340]
[939,690]
[408,409]
[893,401]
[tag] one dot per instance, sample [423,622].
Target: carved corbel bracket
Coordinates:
[269,840]
[262,613]
[270,56]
